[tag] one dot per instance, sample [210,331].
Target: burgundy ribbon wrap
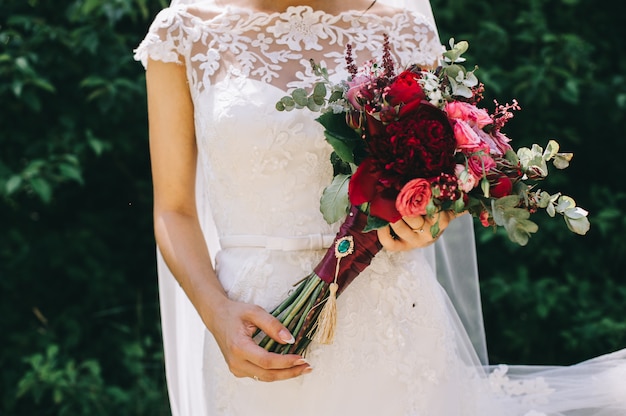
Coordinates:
[366,245]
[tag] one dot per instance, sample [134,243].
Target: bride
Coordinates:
[237,223]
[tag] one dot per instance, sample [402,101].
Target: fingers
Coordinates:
[297,366]
[414,232]
[270,325]
[247,359]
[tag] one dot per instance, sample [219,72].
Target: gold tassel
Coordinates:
[327,320]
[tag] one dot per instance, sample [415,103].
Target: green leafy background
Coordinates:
[79,327]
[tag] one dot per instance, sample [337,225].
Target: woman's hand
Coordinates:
[233,328]
[413,232]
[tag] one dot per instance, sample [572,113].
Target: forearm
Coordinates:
[184,249]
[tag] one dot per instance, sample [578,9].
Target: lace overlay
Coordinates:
[400,348]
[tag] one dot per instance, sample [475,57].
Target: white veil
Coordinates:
[454,255]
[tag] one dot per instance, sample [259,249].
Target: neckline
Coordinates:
[297,9]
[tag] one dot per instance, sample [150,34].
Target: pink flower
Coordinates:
[466,182]
[480,164]
[501,142]
[466,138]
[469,113]
[356,90]
[484,218]
[413,198]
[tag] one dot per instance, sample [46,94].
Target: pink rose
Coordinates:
[466,137]
[413,198]
[469,113]
[480,164]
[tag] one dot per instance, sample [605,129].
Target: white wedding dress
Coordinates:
[401,348]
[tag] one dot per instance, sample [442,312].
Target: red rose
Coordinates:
[404,89]
[413,198]
[502,186]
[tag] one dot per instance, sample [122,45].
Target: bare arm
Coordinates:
[179,237]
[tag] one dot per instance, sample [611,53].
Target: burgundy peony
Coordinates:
[420,144]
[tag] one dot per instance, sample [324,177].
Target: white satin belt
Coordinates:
[302,242]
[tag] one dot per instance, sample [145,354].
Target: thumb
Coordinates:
[271,326]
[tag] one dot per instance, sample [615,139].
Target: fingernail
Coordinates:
[301,361]
[286,336]
[307,370]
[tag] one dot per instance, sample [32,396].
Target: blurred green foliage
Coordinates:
[562,298]
[80,330]
[80,327]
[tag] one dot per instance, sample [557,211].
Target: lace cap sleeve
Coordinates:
[167,37]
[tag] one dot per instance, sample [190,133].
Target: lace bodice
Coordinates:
[239,63]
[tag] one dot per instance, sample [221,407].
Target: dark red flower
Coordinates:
[419,145]
[404,89]
[365,186]
[502,186]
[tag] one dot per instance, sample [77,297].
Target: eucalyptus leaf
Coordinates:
[575,213]
[544,199]
[565,202]
[470,80]
[299,96]
[319,90]
[561,160]
[507,201]
[312,105]
[551,150]
[334,203]
[578,225]
[498,213]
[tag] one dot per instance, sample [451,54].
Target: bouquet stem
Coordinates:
[313,297]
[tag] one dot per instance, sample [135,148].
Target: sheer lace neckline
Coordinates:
[354,13]
[218,43]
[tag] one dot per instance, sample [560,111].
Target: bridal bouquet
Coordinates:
[409,144]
